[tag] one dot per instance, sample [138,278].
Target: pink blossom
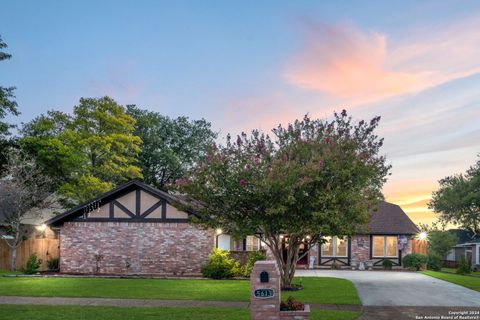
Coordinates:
[243,182]
[180,182]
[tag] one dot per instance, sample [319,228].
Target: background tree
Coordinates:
[24,192]
[457,200]
[440,243]
[315,178]
[87,153]
[170,146]
[8,105]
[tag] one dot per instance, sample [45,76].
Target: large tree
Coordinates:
[457,200]
[315,178]
[8,105]
[170,146]
[88,152]
[24,192]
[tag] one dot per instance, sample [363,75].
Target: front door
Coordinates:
[301,252]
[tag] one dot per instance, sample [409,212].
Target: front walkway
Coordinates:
[397,288]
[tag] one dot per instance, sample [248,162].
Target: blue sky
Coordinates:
[250,64]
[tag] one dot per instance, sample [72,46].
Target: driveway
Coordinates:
[397,288]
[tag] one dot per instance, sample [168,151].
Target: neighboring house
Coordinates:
[468,246]
[32,224]
[137,229]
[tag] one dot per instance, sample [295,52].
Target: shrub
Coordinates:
[434,262]
[53,264]
[33,264]
[415,261]
[387,264]
[253,257]
[220,265]
[464,266]
[441,242]
[292,305]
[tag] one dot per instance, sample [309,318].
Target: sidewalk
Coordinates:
[148,303]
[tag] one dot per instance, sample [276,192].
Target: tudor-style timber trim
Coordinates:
[137,202]
[111,197]
[152,208]
[328,260]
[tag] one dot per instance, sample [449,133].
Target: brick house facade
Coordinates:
[133,229]
[138,230]
[134,248]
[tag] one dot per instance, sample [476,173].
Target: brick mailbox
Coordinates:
[266,294]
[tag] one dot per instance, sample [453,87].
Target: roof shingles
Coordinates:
[389,218]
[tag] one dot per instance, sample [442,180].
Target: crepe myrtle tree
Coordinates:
[311,179]
[24,192]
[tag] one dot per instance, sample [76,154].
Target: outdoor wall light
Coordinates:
[219,231]
[422,235]
[41,227]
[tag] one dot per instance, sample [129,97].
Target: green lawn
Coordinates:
[453,270]
[3,272]
[316,290]
[31,312]
[466,281]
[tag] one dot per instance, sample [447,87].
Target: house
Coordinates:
[468,246]
[389,236]
[137,229]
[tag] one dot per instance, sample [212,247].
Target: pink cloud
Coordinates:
[346,63]
[364,66]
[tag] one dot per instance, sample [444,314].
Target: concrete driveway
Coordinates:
[396,288]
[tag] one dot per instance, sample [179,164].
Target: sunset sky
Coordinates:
[254,64]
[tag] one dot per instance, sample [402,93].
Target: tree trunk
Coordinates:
[287,267]
[13,258]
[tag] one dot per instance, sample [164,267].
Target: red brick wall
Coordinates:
[134,248]
[360,248]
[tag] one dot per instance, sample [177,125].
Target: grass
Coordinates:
[316,290]
[325,290]
[453,270]
[466,281]
[39,312]
[4,272]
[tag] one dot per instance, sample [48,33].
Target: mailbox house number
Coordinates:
[263,293]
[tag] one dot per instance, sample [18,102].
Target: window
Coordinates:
[335,247]
[385,246]
[253,243]
[250,243]
[341,247]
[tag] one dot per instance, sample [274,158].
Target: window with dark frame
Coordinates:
[335,247]
[385,246]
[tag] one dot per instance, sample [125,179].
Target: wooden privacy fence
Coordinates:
[419,246]
[45,249]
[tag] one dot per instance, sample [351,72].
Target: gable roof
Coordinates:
[113,194]
[465,236]
[389,218]
[386,218]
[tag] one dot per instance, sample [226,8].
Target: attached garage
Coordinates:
[133,229]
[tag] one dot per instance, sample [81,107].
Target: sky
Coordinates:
[255,64]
